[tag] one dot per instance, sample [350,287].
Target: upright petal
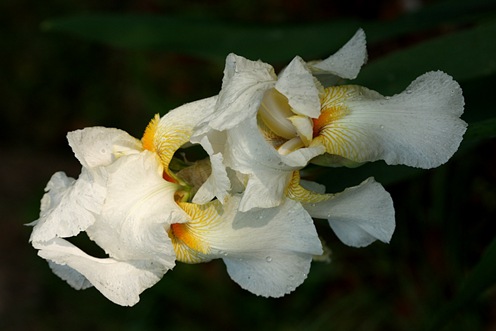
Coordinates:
[267,252]
[98,146]
[301,88]
[121,282]
[345,63]
[359,215]
[419,127]
[243,87]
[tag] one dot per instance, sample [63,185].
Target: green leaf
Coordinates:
[464,55]
[480,279]
[214,39]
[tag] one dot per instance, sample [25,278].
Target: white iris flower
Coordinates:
[275,125]
[133,206]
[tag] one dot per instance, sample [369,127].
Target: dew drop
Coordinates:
[268,259]
[291,277]
[408,91]
[381,126]
[103,151]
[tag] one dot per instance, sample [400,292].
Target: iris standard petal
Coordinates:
[243,87]
[345,63]
[99,146]
[301,89]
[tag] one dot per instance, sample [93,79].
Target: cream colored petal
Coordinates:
[268,252]
[304,127]
[98,146]
[138,211]
[301,88]
[243,87]
[120,281]
[69,206]
[359,215]
[419,127]
[345,63]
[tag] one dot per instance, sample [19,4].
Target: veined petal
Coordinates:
[301,88]
[345,63]
[268,251]
[166,135]
[139,207]
[419,127]
[243,87]
[359,215]
[98,146]
[69,206]
[120,281]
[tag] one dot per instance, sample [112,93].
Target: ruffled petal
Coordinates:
[243,87]
[69,206]
[98,146]
[300,88]
[137,212]
[267,252]
[120,281]
[345,63]
[359,215]
[419,127]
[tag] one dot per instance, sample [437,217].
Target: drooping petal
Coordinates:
[69,206]
[98,146]
[268,251]
[243,87]
[345,63]
[359,215]
[301,89]
[419,127]
[120,281]
[138,210]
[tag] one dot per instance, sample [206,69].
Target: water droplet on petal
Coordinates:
[381,126]
[268,259]
[408,91]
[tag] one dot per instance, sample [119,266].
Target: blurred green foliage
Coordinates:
[71,65]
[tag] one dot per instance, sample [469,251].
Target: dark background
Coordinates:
[52,83]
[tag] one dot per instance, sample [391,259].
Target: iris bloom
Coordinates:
[133,206]
[275,125]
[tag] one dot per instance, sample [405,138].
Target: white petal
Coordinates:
[268,172]
[345,63]
[69,206]
[98,146]
[301,88]
[358,215]
[137,212]
[243,87]
[120,281]
[217,184]
[268,252]
[419,127]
